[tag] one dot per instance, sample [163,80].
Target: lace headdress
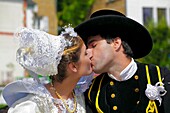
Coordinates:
[40,52]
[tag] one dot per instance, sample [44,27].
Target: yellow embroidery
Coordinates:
[159,74]
[97,98]
[152,108]
[90,90]
[147,74]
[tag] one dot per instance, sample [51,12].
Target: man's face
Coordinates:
[102,53]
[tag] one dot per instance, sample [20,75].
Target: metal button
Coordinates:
[111,83]
[136,90]
[114,107]
[136,77]
[113,95]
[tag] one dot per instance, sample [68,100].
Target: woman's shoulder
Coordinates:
[24,105]
[21,88]
[33,103]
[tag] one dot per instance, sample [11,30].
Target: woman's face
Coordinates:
[84,63]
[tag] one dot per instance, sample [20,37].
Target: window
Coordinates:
[110,1]
[161,13]
[147,15]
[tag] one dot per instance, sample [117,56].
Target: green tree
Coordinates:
[160,53]
[73,11]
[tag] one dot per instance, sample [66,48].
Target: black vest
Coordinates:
[110,96]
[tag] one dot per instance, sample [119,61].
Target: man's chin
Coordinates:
[96,71]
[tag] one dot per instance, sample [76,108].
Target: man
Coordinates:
[125,86]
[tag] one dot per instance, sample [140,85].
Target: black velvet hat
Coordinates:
[116,24]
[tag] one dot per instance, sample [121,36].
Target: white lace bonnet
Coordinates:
[40,52]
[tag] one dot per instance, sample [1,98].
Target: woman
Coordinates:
[64,58]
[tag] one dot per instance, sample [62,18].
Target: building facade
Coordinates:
[143,10]
[21,13]
[12,17]
[139,10]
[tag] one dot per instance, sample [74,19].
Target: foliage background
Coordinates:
[160,53]
[74,11]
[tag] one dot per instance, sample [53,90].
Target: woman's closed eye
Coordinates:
[86,53]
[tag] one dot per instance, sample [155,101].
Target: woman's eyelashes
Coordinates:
[86,53]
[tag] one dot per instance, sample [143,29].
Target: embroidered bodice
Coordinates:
[42,100]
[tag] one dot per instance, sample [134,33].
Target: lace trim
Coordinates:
[39,51]
[47,103]
[83,84]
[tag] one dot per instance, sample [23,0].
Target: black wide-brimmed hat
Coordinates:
[115,23]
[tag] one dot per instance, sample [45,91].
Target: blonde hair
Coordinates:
[71,54]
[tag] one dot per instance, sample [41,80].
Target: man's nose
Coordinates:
[89,51]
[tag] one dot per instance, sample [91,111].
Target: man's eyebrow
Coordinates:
[90,41]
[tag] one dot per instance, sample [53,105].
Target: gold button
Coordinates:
[136,77]
[111,83]
[114,107]
[137,102]
[113,95]
[136,90]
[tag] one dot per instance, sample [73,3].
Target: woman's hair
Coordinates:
[71,54]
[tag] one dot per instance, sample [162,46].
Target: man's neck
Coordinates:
[126,72]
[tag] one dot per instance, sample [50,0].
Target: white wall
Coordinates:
[8,48]
[134,8]
[29,19]
[11,17]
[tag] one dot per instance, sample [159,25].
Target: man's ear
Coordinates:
[72,66]
[117,43]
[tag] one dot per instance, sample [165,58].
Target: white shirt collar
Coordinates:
[127,73]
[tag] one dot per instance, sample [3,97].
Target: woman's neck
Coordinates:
[64,89]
